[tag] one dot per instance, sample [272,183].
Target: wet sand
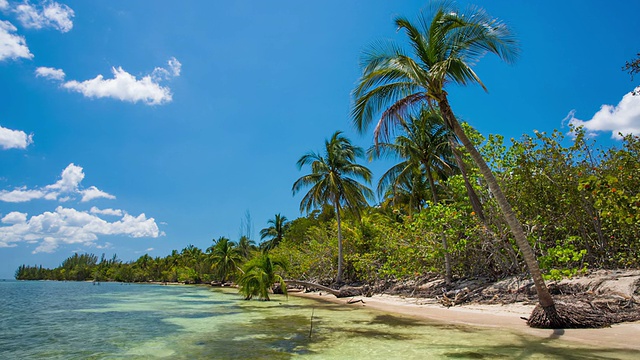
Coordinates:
[623,336]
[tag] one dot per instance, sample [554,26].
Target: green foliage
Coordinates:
[259,276]
[225,258]
[580,207]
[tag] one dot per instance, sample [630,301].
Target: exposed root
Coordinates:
[568,316]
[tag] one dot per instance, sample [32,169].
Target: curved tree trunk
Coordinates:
[339,276]
[544,297]
[473,197]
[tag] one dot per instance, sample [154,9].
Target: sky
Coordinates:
[133,127]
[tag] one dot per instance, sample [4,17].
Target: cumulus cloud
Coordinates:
[12,46]
[62,190]
[623,118]
[47,14]
[14,139]
[4,4]
[14,217]
[123,86]
[70,226]
[50,73]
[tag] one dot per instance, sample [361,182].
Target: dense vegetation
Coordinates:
[580,206]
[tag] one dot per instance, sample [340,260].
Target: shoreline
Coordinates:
[506,317]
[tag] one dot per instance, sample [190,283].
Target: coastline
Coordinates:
[621,336]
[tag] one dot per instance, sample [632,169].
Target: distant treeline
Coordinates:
[580,207]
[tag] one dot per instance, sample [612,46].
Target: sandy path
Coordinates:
[624,336]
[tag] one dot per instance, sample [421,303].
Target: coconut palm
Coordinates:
[225,258]
[246,246]
[445,44]
[334,180]
[425,148]
[259,277]
[275,232]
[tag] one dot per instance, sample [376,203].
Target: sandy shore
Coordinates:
[624,336]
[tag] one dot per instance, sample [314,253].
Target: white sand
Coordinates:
[626,335]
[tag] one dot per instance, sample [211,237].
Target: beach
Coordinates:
[508,316]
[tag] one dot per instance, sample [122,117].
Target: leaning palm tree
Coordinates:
[334,180]
[275,232]
[225,258]
[425,149]
[445,43]
[260,274]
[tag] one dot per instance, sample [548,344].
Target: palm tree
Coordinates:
[444,46]
[278,226]
[407,192]
[424,146]
[246,246]
[334,180]
[260,276]
[225,258]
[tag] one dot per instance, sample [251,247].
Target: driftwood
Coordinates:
[309,285]
[345,291]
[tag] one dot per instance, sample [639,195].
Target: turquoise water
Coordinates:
[73,320]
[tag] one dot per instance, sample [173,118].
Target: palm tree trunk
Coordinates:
[544,297]
[473,197]
[339,276]
[445,244]
[476,204]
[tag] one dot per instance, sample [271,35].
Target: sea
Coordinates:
[84,320]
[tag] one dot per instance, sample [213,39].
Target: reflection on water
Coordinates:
[57,320]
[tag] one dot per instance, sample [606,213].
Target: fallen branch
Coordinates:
[313,286]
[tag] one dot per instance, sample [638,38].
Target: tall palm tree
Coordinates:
[445,43]
[334,180]
[225,258]
[425,148]
[275,232]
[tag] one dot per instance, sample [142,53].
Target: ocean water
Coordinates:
[79,320]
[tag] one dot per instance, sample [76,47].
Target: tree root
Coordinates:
[568,316]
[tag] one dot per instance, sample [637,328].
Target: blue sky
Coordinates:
[144,126]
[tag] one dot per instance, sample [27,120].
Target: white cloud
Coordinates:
[68,185]
[14,139]
[175,66]
[113,212]
[48,14]
[4,4]
[12,46]
[123,86]
[70,226]
[94,193]
[70,178]
[50,73]
[173,70]
[14,218]
[623,118]
[21,195]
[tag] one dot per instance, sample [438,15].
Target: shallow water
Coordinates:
[79,320]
